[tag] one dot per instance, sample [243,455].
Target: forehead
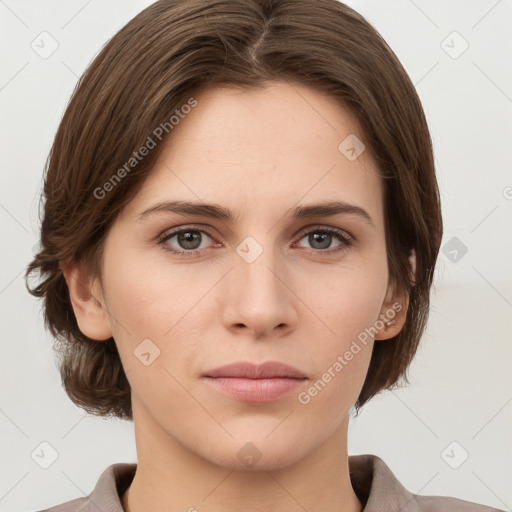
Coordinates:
[276,146]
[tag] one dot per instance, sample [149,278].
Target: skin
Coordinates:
[260,154]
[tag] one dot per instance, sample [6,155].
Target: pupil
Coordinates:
[188,238]
[323,238]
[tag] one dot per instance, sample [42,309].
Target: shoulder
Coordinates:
[444,503]
[76,505]
[380,491]
[106,494]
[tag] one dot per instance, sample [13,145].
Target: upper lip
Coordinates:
[249,370]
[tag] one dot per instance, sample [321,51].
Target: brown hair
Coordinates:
[150,69]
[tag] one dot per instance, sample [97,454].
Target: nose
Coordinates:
[258,297]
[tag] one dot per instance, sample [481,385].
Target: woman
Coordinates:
[240,231]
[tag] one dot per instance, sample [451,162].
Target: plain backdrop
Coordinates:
[448,433]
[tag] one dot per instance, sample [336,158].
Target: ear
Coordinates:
[88,303]
[394,309]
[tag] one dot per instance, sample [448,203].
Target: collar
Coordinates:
[375,485]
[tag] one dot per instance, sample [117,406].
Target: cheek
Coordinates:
[157,302]
[145,310]
[347,310]
[342,353]
[345,300]
[146,296]
[333,392]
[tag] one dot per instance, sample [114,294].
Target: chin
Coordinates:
[260,454]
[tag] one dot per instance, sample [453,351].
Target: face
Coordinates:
[188,293]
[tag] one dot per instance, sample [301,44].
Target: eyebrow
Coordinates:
[215,211]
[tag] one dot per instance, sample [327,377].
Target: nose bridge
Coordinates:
[258,267]
[259,271]
[258,297]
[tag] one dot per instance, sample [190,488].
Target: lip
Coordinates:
[256,383]
[267,370]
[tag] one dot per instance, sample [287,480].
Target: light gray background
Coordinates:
[460,381]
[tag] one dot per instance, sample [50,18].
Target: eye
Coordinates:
[321,239]
[188,240]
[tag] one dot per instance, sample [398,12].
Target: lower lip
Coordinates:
[256,390]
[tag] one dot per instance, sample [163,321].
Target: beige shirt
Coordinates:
[372,480]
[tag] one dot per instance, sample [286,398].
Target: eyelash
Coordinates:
[346,239]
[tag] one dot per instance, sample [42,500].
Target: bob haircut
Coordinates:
[148,72]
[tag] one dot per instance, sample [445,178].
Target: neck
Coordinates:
[171,477]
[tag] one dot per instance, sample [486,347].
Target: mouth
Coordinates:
[248,382]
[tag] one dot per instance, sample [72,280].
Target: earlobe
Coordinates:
[86,300]
[394,310]
[392,316]
[392,324]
